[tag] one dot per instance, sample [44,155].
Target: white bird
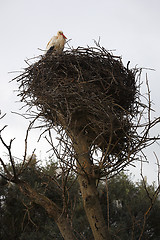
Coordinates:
[57,42]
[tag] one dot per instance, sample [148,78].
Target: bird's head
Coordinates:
[60,33]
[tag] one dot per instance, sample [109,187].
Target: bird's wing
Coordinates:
[51,42]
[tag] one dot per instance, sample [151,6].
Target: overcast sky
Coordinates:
[132,27]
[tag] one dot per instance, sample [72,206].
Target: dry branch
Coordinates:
[89,92]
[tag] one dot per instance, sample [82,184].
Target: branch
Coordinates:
[8,147]
[152,200]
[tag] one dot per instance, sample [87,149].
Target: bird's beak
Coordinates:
[64,36]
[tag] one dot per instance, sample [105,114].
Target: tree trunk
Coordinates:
[52,209]
[89,191]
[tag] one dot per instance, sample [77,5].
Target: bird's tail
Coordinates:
[50,50]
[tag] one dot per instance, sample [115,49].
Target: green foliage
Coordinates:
[128,202]
[22,219]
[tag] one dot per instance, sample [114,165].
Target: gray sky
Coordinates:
[129,26]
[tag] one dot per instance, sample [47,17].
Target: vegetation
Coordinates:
[94,105]
[22,219]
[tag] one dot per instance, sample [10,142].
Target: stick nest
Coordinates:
[90,89]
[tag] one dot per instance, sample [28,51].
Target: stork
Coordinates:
[56,43]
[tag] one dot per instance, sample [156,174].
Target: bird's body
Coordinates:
[57,42]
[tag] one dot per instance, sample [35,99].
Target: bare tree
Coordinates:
[94,104]
[14,175]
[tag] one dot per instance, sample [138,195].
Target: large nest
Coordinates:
[90,89]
